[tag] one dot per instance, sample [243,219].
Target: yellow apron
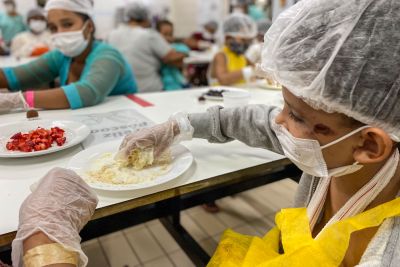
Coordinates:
[235,62]
[301,250]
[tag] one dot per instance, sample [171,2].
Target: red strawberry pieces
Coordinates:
[36,140]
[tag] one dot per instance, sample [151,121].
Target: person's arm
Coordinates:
[51,99]
[3,80]
[174,58]
[163,50]
[33,74]
[221,72]
[249,124]
[39,239]
[192,43]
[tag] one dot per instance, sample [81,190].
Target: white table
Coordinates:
[211,160]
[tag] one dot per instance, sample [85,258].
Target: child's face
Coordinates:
[302,121]
[167,31]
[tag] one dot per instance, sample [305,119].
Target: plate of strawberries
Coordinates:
[39,137]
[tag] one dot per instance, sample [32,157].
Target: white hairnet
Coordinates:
[35,12]
[340,56]
[240,25]
[211,24]
[136,11]
[263,26]
[79,6]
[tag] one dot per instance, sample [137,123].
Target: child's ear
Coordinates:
[374,146]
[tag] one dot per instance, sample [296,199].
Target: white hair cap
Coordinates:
[79,6]
[340,56]
[240,25]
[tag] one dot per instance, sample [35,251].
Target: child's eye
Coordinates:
[295,118]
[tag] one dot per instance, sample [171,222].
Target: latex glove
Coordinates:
[60,207]
[10,101]
[159,137]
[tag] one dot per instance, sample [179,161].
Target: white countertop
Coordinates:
[16,175]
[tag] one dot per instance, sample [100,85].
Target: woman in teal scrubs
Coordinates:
[88,70]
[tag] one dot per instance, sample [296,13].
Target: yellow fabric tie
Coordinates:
[49,254]
[300,249]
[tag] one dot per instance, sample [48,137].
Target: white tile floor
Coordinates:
[149,244]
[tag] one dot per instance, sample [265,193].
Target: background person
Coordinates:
[230,66]
[88,70]
[34,42]
[204,39]
[11,23]
[145,49]
[172,76]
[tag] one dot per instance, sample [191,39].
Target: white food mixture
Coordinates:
[106,170]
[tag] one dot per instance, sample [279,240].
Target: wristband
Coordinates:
[50,254]
[30,98]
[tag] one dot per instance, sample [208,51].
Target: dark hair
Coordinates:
[163,22]
[350,122]
[85,18]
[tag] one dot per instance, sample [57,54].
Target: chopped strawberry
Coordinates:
[36,140]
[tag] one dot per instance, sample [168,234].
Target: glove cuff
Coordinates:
[186,130]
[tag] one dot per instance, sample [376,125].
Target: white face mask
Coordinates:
[71,44]
[38,26]
[306,154]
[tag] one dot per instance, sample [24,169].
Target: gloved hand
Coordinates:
[10,101]
[60,207]
[159,137]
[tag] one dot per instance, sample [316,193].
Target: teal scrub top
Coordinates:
[171,76]
[106,72]
[10,26]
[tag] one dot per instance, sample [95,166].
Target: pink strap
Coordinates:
[30,98]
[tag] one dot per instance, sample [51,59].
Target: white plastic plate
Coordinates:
[81,163]
[75,133]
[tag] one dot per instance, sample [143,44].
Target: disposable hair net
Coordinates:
[79,6]
[263,26]
[340,56]
[34,13]
[240,25]
[137,12]
[212,24]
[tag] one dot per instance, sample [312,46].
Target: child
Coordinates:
[230,66]
[172,76]
[338,63]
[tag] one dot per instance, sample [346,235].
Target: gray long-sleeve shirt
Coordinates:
[251,125]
